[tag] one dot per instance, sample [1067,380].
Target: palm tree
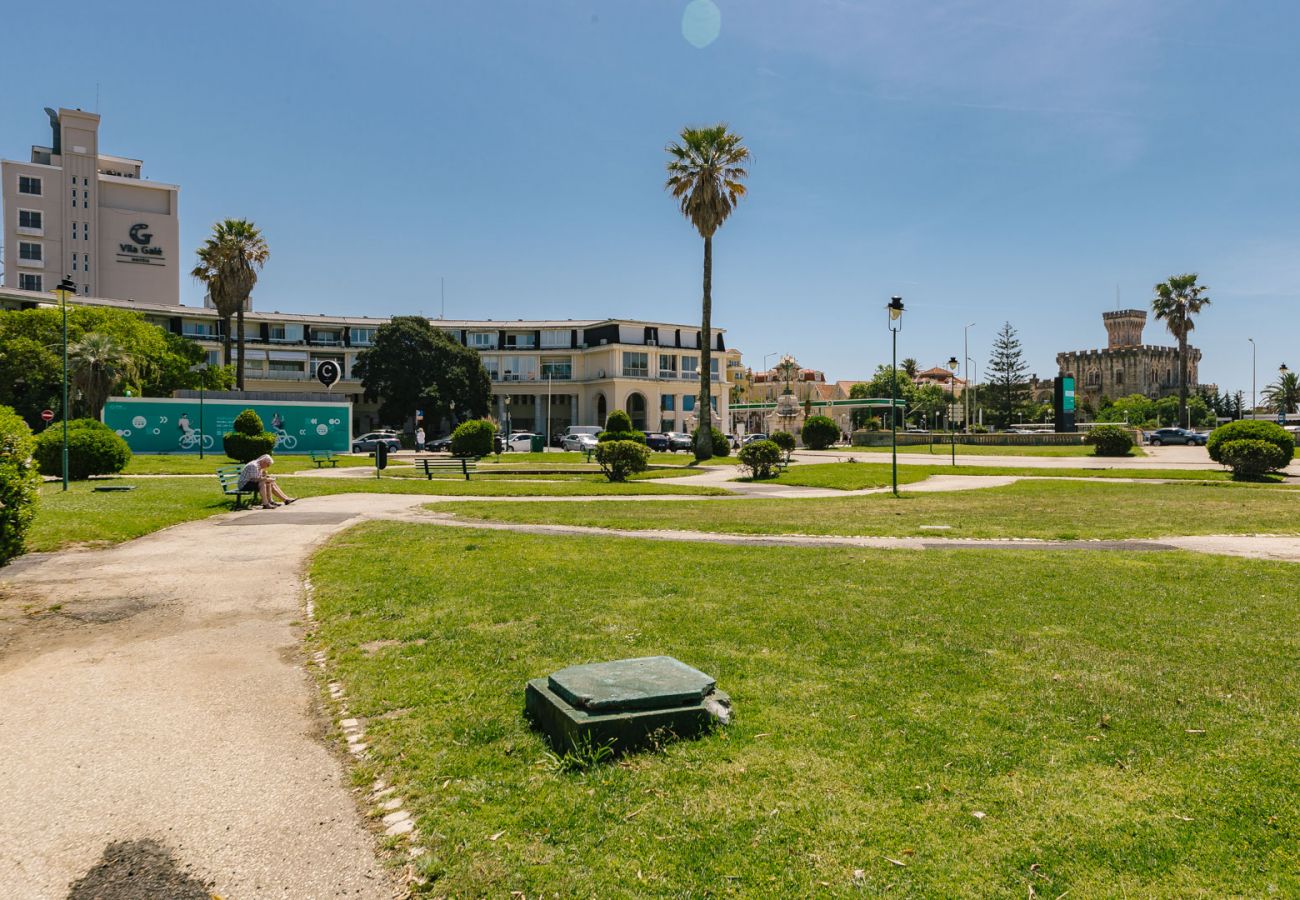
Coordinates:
[1176,302]
[229,261]
[910,366]
[96,364]
[1284,394]
[705,175]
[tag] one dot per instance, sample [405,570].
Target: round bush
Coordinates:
[472,438]
[1250,458]
[247,447]
[1250,430]
[19,483]
[760,457]
[721,446]
[636,437]
[250,423]
[819,432]
[91,451]
[1109,440]
[619,459]
[785,440]
[617,421]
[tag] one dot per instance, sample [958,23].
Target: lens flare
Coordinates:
[701,23]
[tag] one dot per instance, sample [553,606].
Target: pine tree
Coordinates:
[1006,384]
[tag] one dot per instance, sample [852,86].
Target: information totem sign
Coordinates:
[1063,402]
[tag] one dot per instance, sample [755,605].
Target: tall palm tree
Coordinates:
[229,261]
[1284,394]
[1176,302]
[96,364]
[910,366]
[705,175]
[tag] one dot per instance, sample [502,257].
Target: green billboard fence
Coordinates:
[165,425]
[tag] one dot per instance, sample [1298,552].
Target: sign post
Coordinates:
[1063,402]
[47,416]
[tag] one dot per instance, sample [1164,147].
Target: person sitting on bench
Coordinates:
[254,475]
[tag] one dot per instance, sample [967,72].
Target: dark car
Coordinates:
[1175,436]
[658,441]
[680,440]
[441,445]
[369,441]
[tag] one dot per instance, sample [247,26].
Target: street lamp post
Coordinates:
[965,352]
[952,432]
[201,370]
[895,308]
[506,444]
[65,290]
[1281,407]
[1252,377]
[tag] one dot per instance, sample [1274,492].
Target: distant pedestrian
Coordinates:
[419,439]
[254,475]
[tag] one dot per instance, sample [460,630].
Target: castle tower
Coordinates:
[1124,326]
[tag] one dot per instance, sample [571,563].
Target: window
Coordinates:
[85,231]
[690,367]
[29,250]
[483,340]
[29,184]
[667,365]
[276,333]
[688,403]
[713,369]
[519,368]
[636,365]
[554,338]
[196,329]
[28,282]
[520,340]
[667,403]
[493,366]
[30,218]
[713,404]
[362,336]
[74,260]
[285,365]
[84,181]
[558,368]
[85,263]
[74,231]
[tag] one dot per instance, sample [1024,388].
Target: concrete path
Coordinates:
[166,699]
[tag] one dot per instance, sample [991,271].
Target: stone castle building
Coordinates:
[1127,366]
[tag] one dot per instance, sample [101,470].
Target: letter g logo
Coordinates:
[139,235]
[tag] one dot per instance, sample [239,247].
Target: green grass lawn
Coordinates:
[1062,724]
[983,450]
[855,476]
[553,457]
[189,464]
[82,517]
[1042,509]
[574,474]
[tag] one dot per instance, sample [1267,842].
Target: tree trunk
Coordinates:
[704,444]
[239,370]
[225,334]
[1182,380]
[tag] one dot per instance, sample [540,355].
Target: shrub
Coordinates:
[250,423]
[979,429]
[819,432]
[761,458]
[473,438]
[249,439]
[1250,430]
[1109,440]
[93,449]
[1251,458]
[618,420]
[785,440]
[618,427]
[619,459]
[19,483]
[721,446]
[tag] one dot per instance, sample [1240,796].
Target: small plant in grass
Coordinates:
[761,458]
[472,438]
[1110,440]
[619,459]
[249,439]
[1249,458]
[721,446]
[582,757]
[1250,430]
[785,440]
[819,432]
[93,449]
[618,427]
[19,483]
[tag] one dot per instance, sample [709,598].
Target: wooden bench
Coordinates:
[460,464]
[320,457]
[229,478]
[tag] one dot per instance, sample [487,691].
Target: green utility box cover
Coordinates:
[624,703]
[538,443]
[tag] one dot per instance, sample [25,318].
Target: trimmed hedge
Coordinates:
[820,432]
[761,458]
[19,483]
[1109,440]
[785,440]
[619,459]
[721,446]
[618,427]
[249,440]
[1249,458]
[473,438]
[1250,430]
[93,449]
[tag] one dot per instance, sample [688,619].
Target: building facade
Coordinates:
[73,211]
[1126,366]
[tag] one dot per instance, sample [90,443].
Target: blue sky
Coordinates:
[989,161]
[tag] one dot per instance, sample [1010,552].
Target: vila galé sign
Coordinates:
[140,248]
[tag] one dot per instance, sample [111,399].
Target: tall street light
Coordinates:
[64,291]
[952,432]
[895,308]
[1252,377]
[965,352]
[201,370]
[1281,407]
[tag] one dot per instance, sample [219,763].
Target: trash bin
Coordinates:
[538,443]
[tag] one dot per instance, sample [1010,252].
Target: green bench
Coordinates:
[463,464]
[229,478]
[320,457]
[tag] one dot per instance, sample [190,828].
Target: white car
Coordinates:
[521,441]
[579,442]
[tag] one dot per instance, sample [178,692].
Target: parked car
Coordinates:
[440,445]
[657,441]
[1176,436]
[521,441]
[579,442]
[680,440]
[750,438]
[372,439]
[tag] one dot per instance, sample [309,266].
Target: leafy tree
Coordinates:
[1135,409]
[1176,303]
[928,400]
[1006,385]
[705,174]
[229,261]
[96,364]
[412,365]
[880,387]
[1284,394]
[911,367]
[20,483]
[820,432]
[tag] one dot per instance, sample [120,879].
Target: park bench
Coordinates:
[458,464]
[320,457]
[229,478]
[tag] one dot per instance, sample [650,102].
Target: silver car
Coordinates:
[579,442]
